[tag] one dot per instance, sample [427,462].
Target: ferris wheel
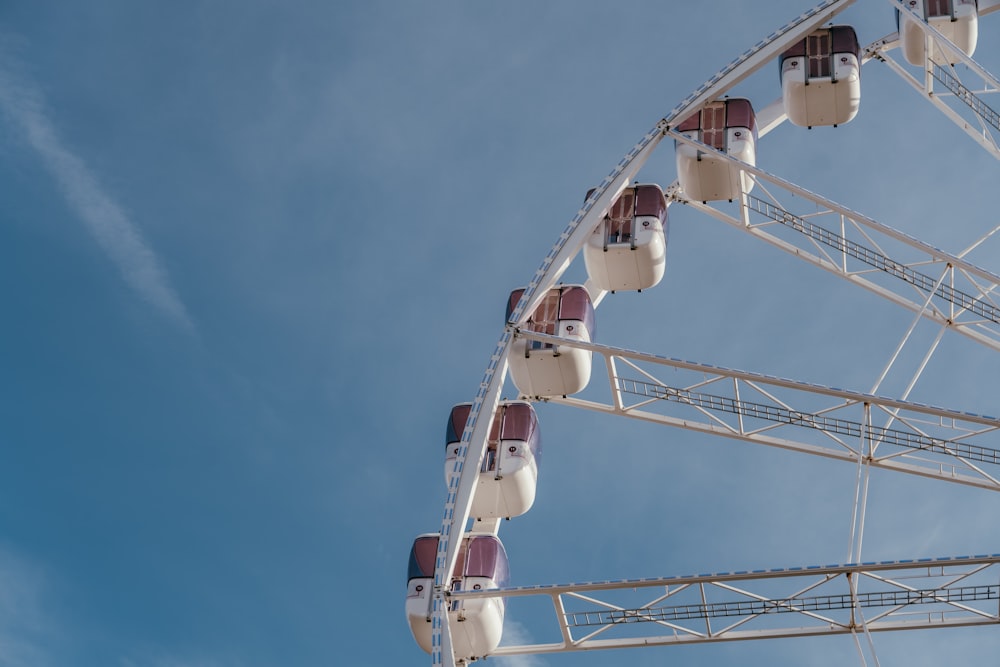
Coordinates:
[458,586]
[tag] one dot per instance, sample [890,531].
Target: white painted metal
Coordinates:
[461,485]
[855,247]
[805,601]
[957,92]
[964,467]
[893,434]
[458,502]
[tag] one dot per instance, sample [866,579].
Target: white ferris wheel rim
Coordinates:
[570,242]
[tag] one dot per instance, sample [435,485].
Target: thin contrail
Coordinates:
[120,239]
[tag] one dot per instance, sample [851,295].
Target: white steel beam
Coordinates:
[961,101]
[892,434]
[472,448]
[942,287]
[783,602]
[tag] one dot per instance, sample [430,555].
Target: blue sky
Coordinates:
[251,254]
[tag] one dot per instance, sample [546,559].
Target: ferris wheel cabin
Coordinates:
[821,78]
[729,126]
[628,250]
[476,624]
[509,473]
[544,369]
[958,20]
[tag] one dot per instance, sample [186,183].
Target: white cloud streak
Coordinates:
[117,236]
[24,630]
[516,633]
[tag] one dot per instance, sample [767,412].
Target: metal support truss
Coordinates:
[939,286]
[970,309]
[892,434]
[461,482]
[789,602]
[951,81]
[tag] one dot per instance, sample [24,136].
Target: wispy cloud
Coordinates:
[24,630]
[117,235]
[516,633]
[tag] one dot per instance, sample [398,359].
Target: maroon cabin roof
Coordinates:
[937,8]
[646,199]
[513,421]
[572,302]
[825,42]
[478,556]
[719,115]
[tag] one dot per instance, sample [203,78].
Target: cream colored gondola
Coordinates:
[628,250]
[821,78]
[509,473]
[729,126]
[476,624]
[957,20]
[541,369]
